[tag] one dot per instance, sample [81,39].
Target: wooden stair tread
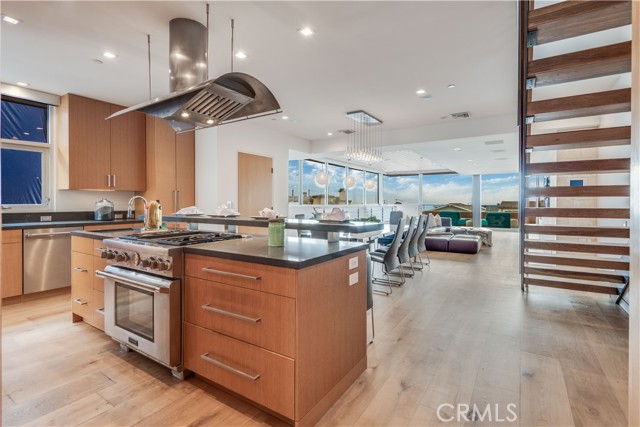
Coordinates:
[590,104]
[578,260]
[602,137]
[579,231]
[580,191]
[585,64]
[578,166]
[596,213]
[595,248]
[610,290]
[574,18]
[616,278]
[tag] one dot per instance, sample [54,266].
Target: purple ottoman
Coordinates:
[465,244]
[437,243]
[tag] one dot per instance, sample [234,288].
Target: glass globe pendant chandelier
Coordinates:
[364,138]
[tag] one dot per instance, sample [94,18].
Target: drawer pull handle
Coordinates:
[81,302]
[226,273]
[231,314]
[80,270]
[206,358]
[100,310]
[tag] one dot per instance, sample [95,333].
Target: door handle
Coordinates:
[108,180]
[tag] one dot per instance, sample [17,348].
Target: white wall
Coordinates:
[217,151]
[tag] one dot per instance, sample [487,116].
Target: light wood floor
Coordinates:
[461,332]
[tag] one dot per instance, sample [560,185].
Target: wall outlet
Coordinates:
[353,278]
[119,216]
[353,263]
[45,218]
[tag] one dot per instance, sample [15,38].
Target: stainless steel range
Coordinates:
[142,288]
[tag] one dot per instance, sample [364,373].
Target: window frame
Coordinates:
[47,157]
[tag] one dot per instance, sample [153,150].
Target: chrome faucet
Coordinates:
[130,207]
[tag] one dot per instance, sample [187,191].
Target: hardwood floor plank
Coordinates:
[593,402]
[75,413]
[544,399]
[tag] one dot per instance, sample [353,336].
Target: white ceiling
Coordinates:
[370,55]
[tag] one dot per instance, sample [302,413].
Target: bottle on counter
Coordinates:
[276,232]
[154,216]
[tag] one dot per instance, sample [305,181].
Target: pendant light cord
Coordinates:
[232,31]
[207,43]
[149,61]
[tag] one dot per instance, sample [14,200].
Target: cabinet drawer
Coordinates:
[97,305]
[98,264]
[12,236]
[255,373]
[259,318]
[81,283]
[82,244]
[266,278]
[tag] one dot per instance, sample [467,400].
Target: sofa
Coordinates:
[460,243]
[498,219]
[456,220]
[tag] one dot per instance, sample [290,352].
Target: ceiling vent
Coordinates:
[499,141]
[463,115]
[347,131]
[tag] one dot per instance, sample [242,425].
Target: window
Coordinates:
[500,192]
[400,189]
[294,181]
[312,193]
[24,128]
[355,196]
[372,192]
[337,194]
[446,189]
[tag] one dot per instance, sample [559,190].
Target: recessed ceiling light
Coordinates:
[330,133]
[23,84]
[451,86]
[421,92]
[109,55]
[285,117]
[457,149]
[210,121]
[469,160]
[241,55]
[184,114]
[10,20]
[306,31]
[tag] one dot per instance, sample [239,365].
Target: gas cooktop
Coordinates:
[179,237]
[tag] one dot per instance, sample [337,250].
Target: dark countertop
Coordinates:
[297,253]
[296,224]
[57,224]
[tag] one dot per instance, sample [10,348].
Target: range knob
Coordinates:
[122,257]
[110,254]
[145,263]
[163,265]
[136,258]
[103,253]
[154,264]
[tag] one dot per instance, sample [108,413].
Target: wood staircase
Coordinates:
[575,186]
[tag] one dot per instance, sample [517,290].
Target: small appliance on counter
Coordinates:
[104,210]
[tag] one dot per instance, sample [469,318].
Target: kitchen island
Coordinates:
[284,327]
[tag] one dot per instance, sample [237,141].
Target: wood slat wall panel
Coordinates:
[576,247]
[583,191]
[573,18]
[572,286]
[604,137]
[595,213]
[585,64]
[581,275]
[568,230]
[590,104]
[580,166]
[578,262]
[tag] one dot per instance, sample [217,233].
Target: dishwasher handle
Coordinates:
[39,235]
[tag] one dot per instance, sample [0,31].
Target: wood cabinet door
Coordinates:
[128,164]
[185,170]
[11,263]
[89,143]
[161,169]
[254,187]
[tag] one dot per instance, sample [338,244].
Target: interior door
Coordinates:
[254,187]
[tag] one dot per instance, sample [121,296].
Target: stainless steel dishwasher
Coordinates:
[46,258]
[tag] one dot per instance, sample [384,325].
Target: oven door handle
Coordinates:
[133,283]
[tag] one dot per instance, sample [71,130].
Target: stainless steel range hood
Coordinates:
[196,104]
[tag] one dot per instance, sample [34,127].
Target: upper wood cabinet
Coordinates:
[170,166]
[99,154]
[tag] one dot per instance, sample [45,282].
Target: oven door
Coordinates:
[142,311]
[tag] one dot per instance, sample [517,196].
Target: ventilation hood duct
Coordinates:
[197,104]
